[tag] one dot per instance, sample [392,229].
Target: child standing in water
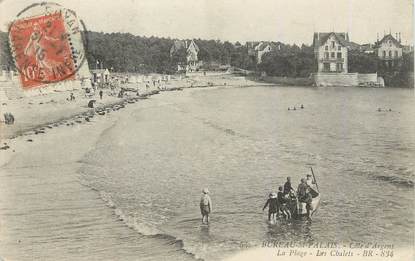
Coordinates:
[205,205]
[272,203]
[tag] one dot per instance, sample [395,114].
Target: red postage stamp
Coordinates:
[42,50]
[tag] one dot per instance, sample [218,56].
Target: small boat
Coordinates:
[298,209]
[302,211]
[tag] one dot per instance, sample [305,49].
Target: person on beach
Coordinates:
[287,186]
[302,106]
[100,94]
[91,103]
[272,204]
[71,97]
[205,206]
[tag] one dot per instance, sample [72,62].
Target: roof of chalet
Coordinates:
[262,45]
[194,44]
[179,44]
[320,39]
[389,37]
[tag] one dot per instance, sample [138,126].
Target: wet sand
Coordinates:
[37,113]
[47,214]
[45,211]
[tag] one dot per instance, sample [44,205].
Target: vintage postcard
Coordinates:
[207,130]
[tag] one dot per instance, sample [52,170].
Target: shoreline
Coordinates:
[28,221]
[78,217]
[36,117]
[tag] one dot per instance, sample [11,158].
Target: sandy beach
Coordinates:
[53,109]
[58,129]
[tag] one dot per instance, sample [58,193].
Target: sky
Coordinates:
[288,21]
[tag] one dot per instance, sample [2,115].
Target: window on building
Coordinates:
[396,53]
[326,67]
[339,55]
[332,44]
[326,55]
[390,53]
[326,48]
[333,55]
[339,48]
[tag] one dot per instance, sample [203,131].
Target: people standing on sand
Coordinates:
[272,204]
[91,103]
[302,106]
[71,97]
[100,94]
[205,206]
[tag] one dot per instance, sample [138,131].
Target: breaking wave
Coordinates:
[146,229]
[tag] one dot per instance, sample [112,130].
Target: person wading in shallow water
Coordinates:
[272,204]
[301,190]
[205,205]
[308,200]
[287,186]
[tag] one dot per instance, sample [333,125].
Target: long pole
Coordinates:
[312,172]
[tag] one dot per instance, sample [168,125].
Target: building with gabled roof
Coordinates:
[389,48]
[192,51]
[331,50]
[258,49]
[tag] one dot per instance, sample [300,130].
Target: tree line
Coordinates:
[124,52]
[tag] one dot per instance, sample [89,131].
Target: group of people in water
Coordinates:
[287,197]
[295,108]
[380,109]
[285,202]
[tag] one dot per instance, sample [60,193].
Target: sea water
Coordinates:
[150,167]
